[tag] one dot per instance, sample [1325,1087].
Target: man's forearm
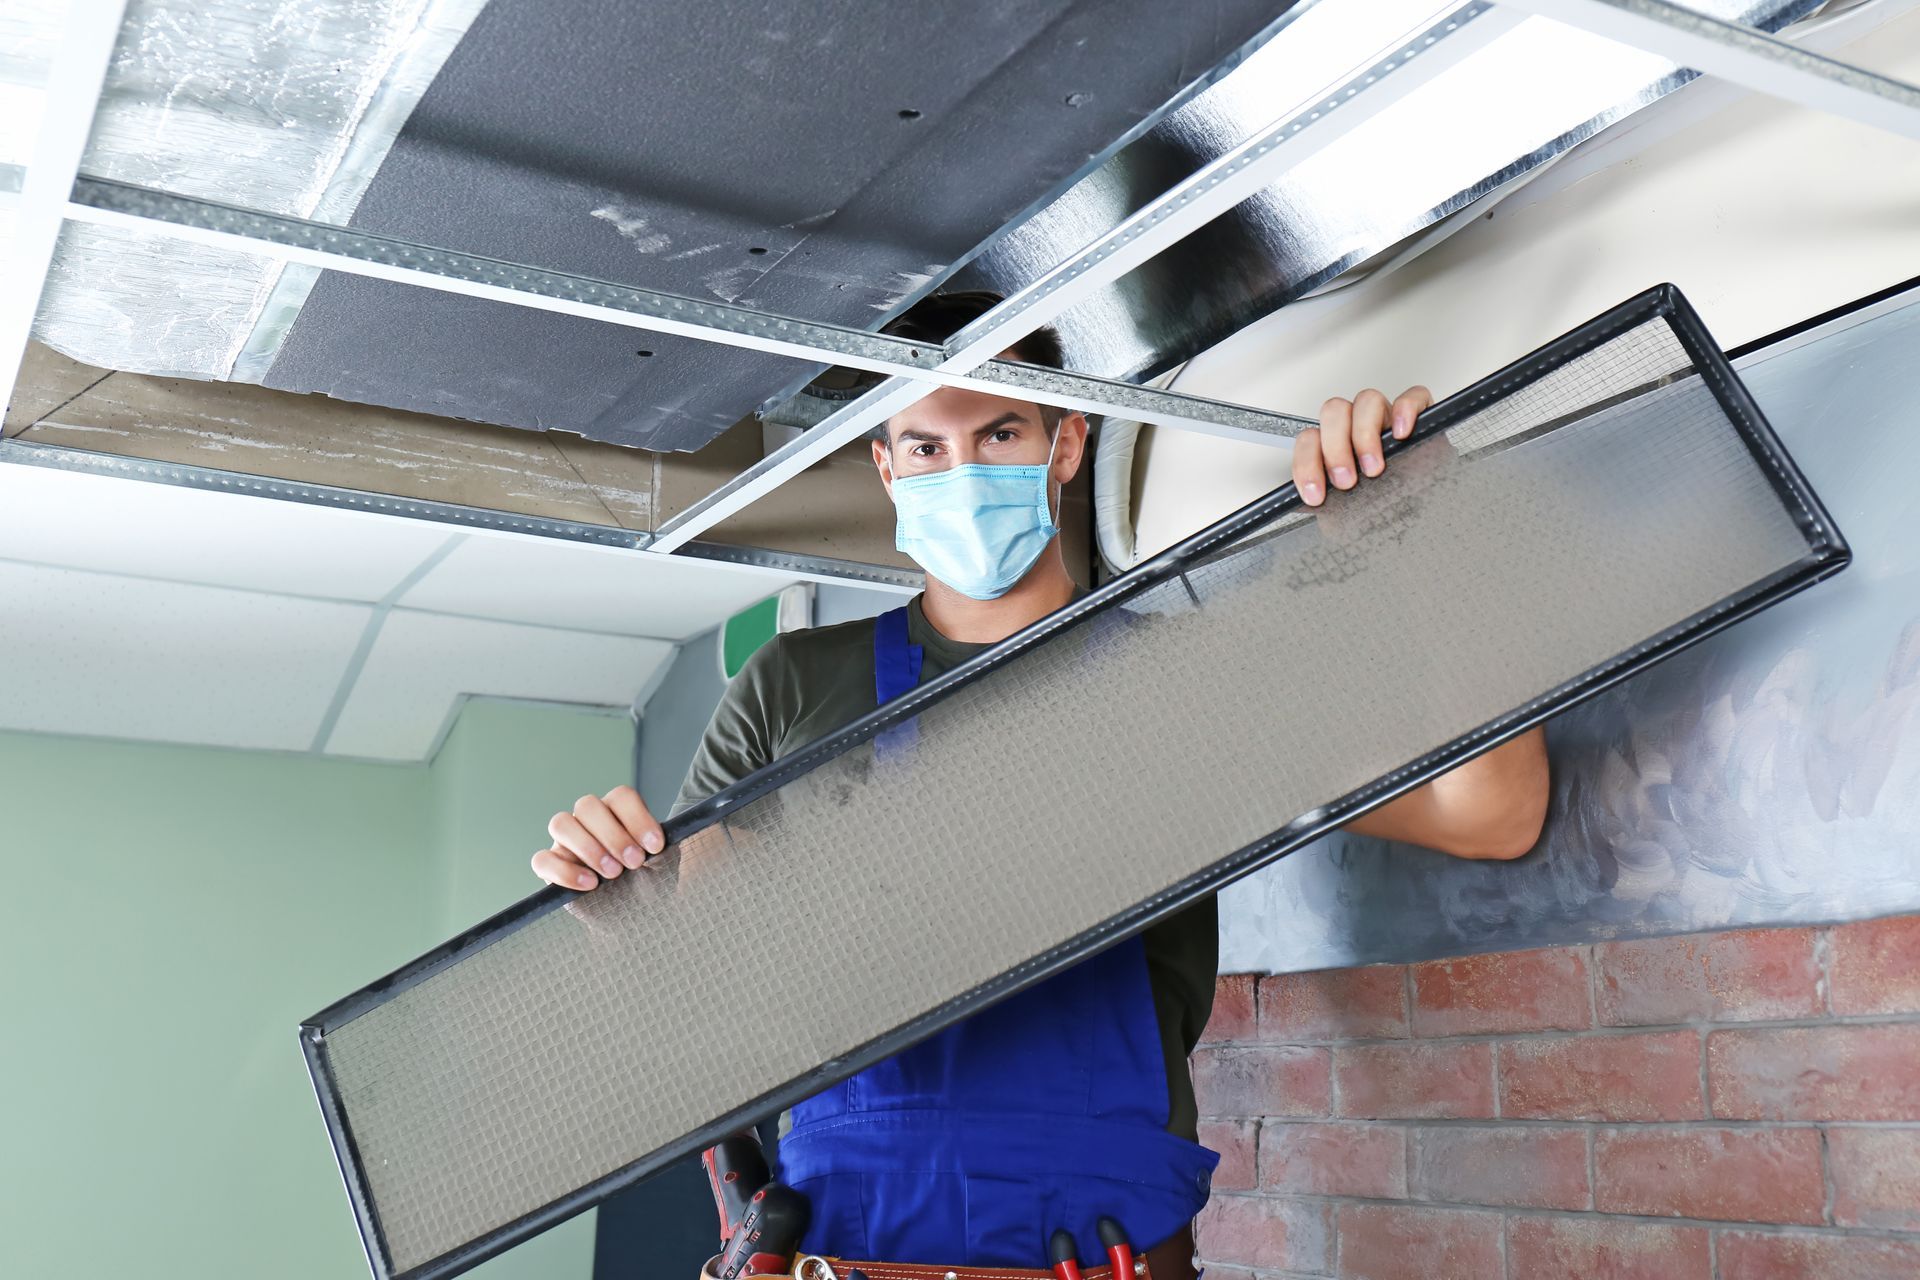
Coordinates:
[1492,806]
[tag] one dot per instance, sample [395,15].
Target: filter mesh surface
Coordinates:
[1555,529]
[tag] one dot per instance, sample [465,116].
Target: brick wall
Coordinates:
[1722,1106]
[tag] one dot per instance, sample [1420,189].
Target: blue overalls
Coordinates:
[1047,1109]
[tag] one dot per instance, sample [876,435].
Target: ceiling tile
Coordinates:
[421,663]
[197,535]
[90,653]
[558,584]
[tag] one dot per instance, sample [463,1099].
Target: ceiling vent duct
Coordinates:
[288,106]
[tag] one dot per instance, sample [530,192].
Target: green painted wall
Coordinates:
[171,913]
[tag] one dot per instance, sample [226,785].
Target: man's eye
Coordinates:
[920,451]
[1003,435]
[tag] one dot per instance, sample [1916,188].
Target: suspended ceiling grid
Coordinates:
[1481,131]
[837,511]
[1350,14]
[830,162]
[501,150]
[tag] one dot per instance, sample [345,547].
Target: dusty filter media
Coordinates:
[1598,505]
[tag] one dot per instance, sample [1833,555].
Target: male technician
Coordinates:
[1073,1099]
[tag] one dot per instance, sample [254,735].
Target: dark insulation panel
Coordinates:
[828,161]
[1583,513]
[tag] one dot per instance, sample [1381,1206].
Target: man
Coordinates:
[970,1148]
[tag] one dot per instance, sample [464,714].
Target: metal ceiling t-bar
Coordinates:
[337,248]
[1745,56]
[20,451]
[1211,191]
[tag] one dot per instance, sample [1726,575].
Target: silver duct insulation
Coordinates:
[1514,107]
[29,30]
[282,105]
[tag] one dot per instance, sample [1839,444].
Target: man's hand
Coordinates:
[602,836]
[1495,805]
[1349,435]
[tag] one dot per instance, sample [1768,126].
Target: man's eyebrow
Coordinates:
[914,433]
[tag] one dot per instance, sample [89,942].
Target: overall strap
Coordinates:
[896,664]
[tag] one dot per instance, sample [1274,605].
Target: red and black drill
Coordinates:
[761,1221]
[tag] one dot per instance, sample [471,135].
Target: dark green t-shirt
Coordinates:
[803,685]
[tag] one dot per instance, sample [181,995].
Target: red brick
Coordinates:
[1507,991]
[1624,1078]
[1400,1242]
[1734,1175]
[1250,1231]
[1233,1010]
[1334,1159]
[1876,966]
[1846,1072]
[1522,1165]
[1237,1143]
[1800,1255]
[1335,1004]
[1876,1177]
[1427,1081]
[1262,1081]
[1604,1249]
[1746,975]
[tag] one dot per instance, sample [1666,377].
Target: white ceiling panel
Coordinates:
[421,663]
[198,535]
[90,653]
[597,588]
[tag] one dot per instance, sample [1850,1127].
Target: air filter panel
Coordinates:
[1586,511]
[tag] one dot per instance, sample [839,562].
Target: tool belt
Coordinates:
[809,1266]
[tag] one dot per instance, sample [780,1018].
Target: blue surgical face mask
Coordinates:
[977,527]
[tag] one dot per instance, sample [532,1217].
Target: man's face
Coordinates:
[955,426]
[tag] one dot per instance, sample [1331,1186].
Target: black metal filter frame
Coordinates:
[1828,553]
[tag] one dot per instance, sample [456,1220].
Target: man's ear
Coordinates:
[1070,449]
[882,464]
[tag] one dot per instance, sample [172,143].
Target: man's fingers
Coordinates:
[640,825]
[597,818]
[1308,477]
[600,838]
[1369,416]
[555,867]
[1336,442]
[1409,404]
[571,836]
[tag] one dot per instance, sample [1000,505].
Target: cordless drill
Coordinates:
[761,1221]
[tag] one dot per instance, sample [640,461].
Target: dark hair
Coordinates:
[939,316]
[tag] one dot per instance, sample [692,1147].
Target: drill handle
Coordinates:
[736,1169]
